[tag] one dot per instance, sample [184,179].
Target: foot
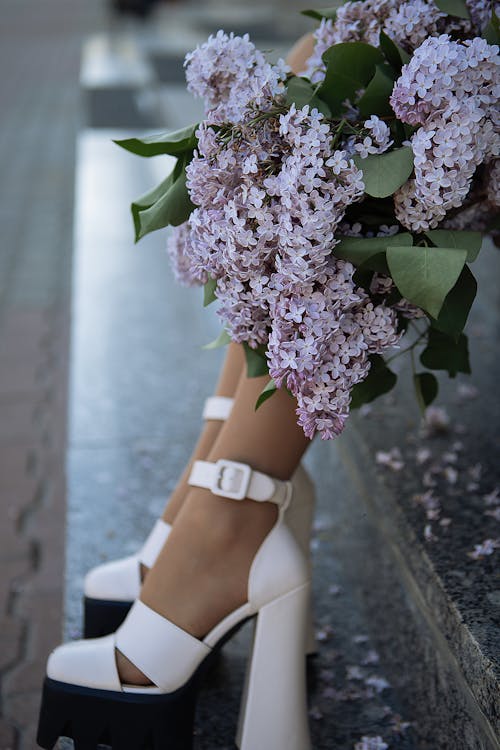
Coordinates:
[202,573]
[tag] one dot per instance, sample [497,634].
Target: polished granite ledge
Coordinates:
[433,606]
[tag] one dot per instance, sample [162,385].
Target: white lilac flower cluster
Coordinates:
[228,72]
[321,336]
[271,184]
[377,138]
[180,260]
[270,193]
[408,24]
[355,22]
[451,90]
[448,88]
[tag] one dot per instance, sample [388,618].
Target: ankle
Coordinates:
[244,518]
[208,435]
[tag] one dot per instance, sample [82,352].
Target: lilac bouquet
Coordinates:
[331,213]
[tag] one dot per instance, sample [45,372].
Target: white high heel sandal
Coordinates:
[84,699]
[110,589]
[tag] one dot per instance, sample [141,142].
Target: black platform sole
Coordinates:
[124,721]
[103,616]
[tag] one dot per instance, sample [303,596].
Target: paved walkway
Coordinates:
[39,98]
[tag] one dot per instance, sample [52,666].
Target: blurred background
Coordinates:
[102,381]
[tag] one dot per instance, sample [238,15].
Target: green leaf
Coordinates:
[383,174]
[426,388]
[363,277]
[318,15]
[174,143]
[256,361]
[299,91]
[425,275]
[470,241]
[395,55]
[153,196]
[364,272]
[408,130]
[209,292]
[172,208]
[457,304]
[357,250]
[223,339]
[379,380]
[349,67]
[405,56]
[444,353]
[377,262]
[266,393]
[375,100]
[492,31]
[456,8]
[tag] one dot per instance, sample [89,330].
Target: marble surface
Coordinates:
[447,583]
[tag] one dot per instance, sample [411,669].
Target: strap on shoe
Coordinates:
[237,481]
[154,543]
[217,408]
[165,653]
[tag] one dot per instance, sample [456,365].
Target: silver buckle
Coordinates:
[232,479]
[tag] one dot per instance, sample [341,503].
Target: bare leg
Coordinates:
[228,382]
[202,572]
[234,363]
[300,52]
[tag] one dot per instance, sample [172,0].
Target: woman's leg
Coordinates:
[234,362]
[300,53]
[226,386]
[202,572]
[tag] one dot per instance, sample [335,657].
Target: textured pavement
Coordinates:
[39,57]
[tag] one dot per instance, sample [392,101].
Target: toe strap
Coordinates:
[165,653]
[90,663]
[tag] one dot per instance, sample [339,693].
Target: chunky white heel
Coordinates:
[84,699]
[276,668]
[111,588]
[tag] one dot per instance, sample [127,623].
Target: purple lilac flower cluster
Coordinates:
[377,138]
[321,336]
[271,183]
[270,193]
[228,72]
[180,260]
[407,23]
[448,88]
[451,90]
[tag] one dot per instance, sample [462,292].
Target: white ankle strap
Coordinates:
[154,543]
[238,481]
[218,408]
